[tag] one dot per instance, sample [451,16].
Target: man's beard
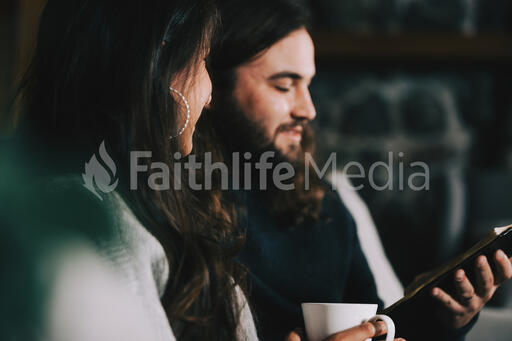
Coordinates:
[226,128]
[241,134]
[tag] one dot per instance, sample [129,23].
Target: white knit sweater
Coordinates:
[121,287]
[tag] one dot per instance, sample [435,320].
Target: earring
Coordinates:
[188,111]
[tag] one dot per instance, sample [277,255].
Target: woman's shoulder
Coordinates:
[132,250]
[246,330]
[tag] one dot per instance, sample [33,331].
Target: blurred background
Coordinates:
[18,29]
[428,78]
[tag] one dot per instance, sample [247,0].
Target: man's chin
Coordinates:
[290,151]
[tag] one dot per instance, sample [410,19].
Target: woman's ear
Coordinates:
[208,104]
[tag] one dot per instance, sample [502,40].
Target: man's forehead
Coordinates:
[292,54]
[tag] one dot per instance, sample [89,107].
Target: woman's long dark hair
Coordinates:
[101,72]
[249,29]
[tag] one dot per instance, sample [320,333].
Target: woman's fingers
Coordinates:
[464,288]
[503,267]
[293,336]
[360,332]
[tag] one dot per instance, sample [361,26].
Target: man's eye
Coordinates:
[282,89]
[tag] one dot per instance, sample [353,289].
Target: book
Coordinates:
[443,277]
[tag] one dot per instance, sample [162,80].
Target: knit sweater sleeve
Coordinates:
[140,263]
[246,330]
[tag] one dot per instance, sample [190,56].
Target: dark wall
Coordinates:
[8,52]
[451,110]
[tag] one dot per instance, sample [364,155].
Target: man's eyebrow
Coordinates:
[286,74]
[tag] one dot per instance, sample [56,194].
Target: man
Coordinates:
[302,244]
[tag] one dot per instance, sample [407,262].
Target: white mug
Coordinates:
[325,319]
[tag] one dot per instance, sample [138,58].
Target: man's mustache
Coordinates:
[295,124]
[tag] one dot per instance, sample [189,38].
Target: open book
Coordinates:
[443,277]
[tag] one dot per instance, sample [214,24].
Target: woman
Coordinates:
[132,74]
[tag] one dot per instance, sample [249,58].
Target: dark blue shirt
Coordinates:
[319,262]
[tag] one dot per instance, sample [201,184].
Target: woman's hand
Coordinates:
[358,333]
[459,310]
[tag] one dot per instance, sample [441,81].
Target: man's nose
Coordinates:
[304,107]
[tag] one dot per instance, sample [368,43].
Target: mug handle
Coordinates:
[389,323]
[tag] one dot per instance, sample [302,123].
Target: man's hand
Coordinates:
[470,299]
[358,333]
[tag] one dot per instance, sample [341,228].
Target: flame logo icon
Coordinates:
[97,174]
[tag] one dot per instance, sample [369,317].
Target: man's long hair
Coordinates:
[249,29]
